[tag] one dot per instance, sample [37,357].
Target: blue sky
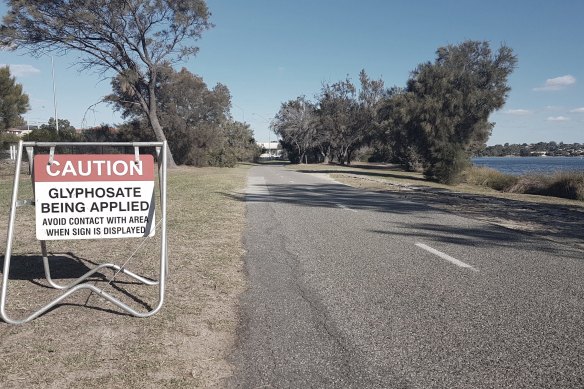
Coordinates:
[270,51]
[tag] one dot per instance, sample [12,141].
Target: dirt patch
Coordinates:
[87,341]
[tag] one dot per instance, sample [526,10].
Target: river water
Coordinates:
[525,165]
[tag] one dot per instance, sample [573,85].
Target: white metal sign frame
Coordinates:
[161,149]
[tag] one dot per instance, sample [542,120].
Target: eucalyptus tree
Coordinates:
[347,116]
[132,38]
[337,108]
[295,123]
[371,94]
[192,115]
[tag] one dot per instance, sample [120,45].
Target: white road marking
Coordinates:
[256,185]
[445,256]
[345,208]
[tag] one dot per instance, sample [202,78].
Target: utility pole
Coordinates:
[55,94]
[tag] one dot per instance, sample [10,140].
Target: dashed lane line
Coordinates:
[445,256]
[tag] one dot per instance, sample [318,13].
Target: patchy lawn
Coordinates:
[89,342]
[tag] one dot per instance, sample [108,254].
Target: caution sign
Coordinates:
[94,196]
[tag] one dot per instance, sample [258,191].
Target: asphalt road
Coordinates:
[355,289]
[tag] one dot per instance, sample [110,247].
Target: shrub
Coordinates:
[7,139]
[530,184]
[569,185]
[446,164]
[484,176]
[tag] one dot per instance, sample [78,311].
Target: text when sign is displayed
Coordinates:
[94,196]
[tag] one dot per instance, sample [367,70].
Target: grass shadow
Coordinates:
[365,173]
[67,266]
[30,267]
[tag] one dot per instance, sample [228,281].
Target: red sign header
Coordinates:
[93,167]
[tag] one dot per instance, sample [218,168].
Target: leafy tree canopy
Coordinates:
[48,132]
[296,124]
[451,100]
[134,38]
[13,101]
[191,114]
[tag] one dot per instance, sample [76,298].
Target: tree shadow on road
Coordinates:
[366,173]
[486,236]
[329,196]
[567,227]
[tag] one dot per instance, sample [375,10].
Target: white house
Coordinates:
[20,131]
[273,149]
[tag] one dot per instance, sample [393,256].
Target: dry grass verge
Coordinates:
[491,178]
[568,185]
[88,342]
[478,180]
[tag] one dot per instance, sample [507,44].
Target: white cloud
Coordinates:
[518,112]
[557,119]
[22,70]
[554,108]
[558,83]
[578,110]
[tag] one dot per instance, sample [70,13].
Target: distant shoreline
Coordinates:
[531,156]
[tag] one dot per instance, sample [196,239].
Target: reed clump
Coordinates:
[568,185]
[564,184]
[491,178]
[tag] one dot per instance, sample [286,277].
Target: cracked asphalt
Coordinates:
[343,295]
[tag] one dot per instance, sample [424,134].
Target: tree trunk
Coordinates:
[170,164]
[327,155]
[301,158]
[343,154]
[154,123]
[148,105]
